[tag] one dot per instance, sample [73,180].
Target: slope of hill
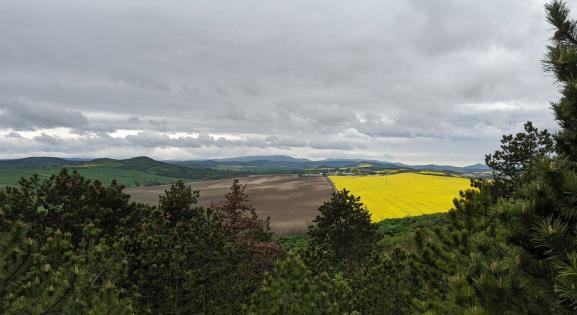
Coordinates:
[151,166]
[131,172]
[457,169]
[35,162]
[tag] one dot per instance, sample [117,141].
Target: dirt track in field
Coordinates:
[290,201]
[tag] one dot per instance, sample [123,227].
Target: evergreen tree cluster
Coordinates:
[73,246]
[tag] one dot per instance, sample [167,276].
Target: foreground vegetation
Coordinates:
[508,246]
[403,194]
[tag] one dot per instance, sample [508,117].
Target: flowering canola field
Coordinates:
[403,194]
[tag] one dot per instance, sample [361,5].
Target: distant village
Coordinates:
[340,172]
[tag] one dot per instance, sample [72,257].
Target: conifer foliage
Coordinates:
[512,165]
[561,60]
[73,246]
[344,229]
[515,254]
[293,289]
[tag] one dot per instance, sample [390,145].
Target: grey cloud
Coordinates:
[14,135]
[148,139]
[50,140]
[320,78]
[23,114]
[155,139]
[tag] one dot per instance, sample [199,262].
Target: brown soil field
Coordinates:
[290,201]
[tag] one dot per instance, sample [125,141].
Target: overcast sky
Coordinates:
[412,81]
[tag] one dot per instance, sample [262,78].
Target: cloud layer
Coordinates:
[411,81]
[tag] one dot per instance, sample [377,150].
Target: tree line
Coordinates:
[509,246]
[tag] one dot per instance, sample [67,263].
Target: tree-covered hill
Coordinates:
[36,162]
[134,171]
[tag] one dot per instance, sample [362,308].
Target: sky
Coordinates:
[412,81]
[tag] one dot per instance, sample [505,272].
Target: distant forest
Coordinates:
[71,245]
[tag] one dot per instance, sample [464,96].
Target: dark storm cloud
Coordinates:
[314,78]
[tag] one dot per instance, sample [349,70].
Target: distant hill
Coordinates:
[287,163]
[267,164]
[477,168]
[135,171]
[270,158]
[150,166]
[35,162]
[457,169]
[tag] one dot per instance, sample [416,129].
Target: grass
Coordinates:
[103,173]
[404,194]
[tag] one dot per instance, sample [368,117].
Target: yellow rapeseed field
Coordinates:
[403,194]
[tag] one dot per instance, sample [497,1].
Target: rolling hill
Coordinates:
[36,162]
[130,172]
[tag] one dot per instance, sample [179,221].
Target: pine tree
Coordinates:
[187,259]
[512,165]
[516,255]
[387,285]
[50,231]
[46,276]
[177,201]
[180,260]
[107,301]
[343,230]
[240,219]
[68,202]
[251,236]
[544,221]
[293,289]
[561,60]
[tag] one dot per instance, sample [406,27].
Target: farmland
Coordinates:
[290,201]
[403,194]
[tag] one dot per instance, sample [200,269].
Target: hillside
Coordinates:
[130,172]
[151,166]
[35,162]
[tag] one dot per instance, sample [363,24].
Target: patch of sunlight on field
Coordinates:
[403,194]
